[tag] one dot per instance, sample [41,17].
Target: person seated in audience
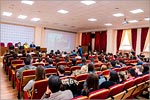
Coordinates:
[103,67]
[74,62]
[92,84]
[67,58]
[139,70]
[146,69]
[131,74]
[74,53]
[122,63]
[50,63]
[32,52]
[53,91]
[57,53]
[61,71]
[39,75]
[117,64]
[83,62]
[113,63]
[112,80]
[23,53]
[91,68]
[32,45]
[57,60]
[26,67]
[26,45]
[122,76]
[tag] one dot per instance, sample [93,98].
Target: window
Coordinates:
[147,49]
[15,34]
[125,44]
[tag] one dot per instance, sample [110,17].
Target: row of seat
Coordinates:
[127,90]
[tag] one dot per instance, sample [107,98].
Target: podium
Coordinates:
[3,49]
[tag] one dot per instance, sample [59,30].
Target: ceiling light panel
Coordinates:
[88,2]
[7,13]
[22,16]
[108,24]
[63,11]
[132,21]
[136,11]
[92,19]
[28,2]
[118,14]
[35,19]
[147,19]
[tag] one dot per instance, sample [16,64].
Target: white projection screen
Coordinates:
[59,40]
[15,34]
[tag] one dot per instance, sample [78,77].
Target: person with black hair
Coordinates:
[146,69]
[50,63]
[74,62]
[131,74]
[113,79]
[61,71]
[53,91]
[26,67]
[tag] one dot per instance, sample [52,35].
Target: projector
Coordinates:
[125,22]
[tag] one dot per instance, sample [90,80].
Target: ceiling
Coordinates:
[77,18]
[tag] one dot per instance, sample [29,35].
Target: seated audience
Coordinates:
[53,91]
[39,75]
[26,45]
[113,79]
[122,76]
[50,63]
[26,67]
[74,62]
[83,62]
[139,70]
[146,69]
[131,74]
[61,71]
[92,84]
[103,67]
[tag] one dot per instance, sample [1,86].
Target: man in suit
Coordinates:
[32,45]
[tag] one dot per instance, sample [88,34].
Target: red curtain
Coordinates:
[83,39]
[143,37]
[88,38]
[119,36]
[97,41]
[134,38]
[103,41]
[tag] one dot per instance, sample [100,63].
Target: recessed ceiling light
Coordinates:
[108,24]
[132,21]
[136,11]
[22,16]
[62,11]
[118,14]
[35,19]
[88,2]
[7,13]
[28,2]
[147,19]
[92,19]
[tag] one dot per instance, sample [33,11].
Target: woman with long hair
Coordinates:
[39,75]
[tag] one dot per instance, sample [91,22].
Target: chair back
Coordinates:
[9,44]
[67,70]
[128,84]
[50,71]
[81,77]
[73,68]
[138,80]
[62,63]
[17,62]
[2,44]
[99,94]
[39,89]
[115,89]
[37,64]
[146,77]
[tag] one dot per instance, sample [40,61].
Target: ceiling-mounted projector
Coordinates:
[125,22]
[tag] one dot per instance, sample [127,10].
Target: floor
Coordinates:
[6,90]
